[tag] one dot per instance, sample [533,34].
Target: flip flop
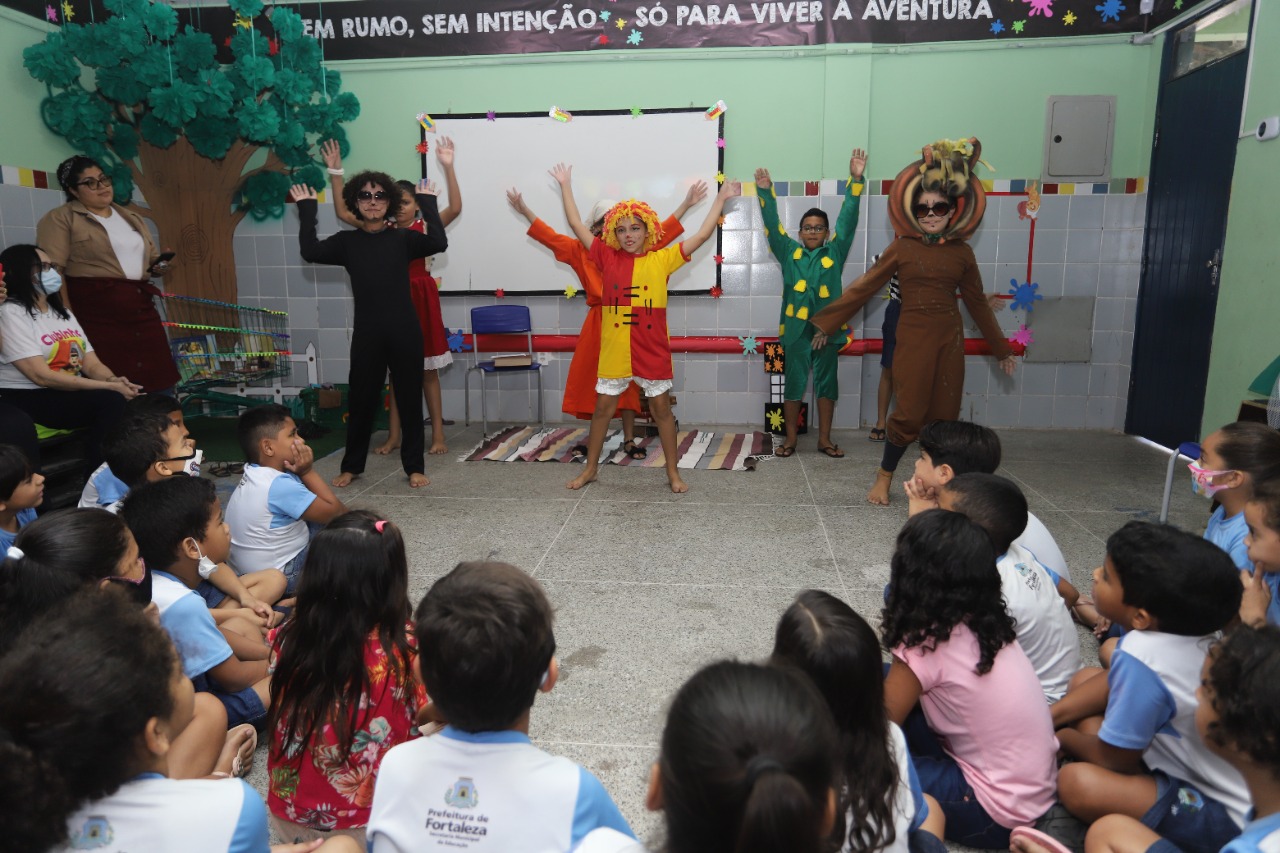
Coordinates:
[784,450]
[1039,839]
[832,450]
[634,452]
[875,434]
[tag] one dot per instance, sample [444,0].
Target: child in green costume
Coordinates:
[811,269]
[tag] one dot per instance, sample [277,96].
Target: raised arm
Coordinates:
[695,240]
[444,154]
[332,154]
[781,245]
[434,241]
[696,193]
[847,220]
[859,293]
[516,200]
[313,249]
[564,177]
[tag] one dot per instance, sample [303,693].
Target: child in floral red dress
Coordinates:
[344,689]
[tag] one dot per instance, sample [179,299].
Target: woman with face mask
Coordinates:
[106,253]
[48,368]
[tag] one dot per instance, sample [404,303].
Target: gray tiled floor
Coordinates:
[649,586]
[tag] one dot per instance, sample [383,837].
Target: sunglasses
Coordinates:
[138,590]
[95,183]
[365,195]
[938,208]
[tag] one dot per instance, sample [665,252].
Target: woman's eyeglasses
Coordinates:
[365,195]
[938,208]
[95,183]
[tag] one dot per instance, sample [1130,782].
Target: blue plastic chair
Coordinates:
[498,320]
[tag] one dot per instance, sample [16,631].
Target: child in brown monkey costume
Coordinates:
[935,205]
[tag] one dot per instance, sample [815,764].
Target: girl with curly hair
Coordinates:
[634,344]
[385,331]
[987,753]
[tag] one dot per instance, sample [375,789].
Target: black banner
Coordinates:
[372,29]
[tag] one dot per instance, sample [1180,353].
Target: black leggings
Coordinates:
[94,411]
[371,356]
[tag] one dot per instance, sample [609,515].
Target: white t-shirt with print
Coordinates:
[61,343]
[1045,630]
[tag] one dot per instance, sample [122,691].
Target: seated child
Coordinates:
[277,496]
[1237,717]
[104,489]
[882,809]
[749,758]
[21,491]
[344,686]
[1261,601]
[230,663]
[146,446]
[486,649]
[951,448]
[1036,598]
[1232,460]
[1171,591]
[84,762]
[634,343]
[992,765]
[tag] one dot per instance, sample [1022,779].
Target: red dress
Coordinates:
[580,385]
[426,300]
[317,784]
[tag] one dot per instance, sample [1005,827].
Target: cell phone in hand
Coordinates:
[164,258]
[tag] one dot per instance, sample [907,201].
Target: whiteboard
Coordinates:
[654,157]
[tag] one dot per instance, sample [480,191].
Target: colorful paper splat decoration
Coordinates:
[636,112]
[716,110]
[67,11]
[774,414]
[635,38]
[606,15]
[1018,26]
[499,293]
[720,142]
[719,259]
[749,344]
[560,115]
[422,147]
[1024,295]
[1022,336]
[604,39]
[427,122]
[717,291]
[51,14]
[775,420]
[720,177]
[997,27]
[457,342]
[490,116]
[570,292]
[1069,18]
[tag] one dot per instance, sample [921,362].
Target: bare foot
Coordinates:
[438,447]
[386,447]
[879,494]
[417,481]
[236,758]
[343,480]
[587,476]
[677,485]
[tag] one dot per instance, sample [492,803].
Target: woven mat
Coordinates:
[729,451]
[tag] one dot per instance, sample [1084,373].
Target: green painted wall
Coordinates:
[24,140]
[1245,336]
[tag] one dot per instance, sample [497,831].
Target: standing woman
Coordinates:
[48,368]
[936,203]
[108,257]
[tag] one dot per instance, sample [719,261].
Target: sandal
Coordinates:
[629,447]
[784,450]
[832,450]
[875,434]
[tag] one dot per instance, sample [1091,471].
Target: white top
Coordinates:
[61,343]
[130,248]
[909,809]
[491,791]
[265,517]
[155,813]
[1151,706]
[605,840]
[1045,630]
[1037,539]
[103,490]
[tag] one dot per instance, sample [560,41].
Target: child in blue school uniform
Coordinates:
[1172,592]
[21,491]
[1232,461]
[1261,601]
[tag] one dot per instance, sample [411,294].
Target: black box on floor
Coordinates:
[775,419]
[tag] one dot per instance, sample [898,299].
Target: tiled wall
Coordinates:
[1086,245]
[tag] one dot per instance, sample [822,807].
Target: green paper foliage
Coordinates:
[160,20]
[177,104]
[258,120]
[287,24]
[211,136]
[94,46]
[311,176]
[121,180]
[246,8]
[121,84]
[346,107]
[157,132]
[193,50]
[303,53]
[76,115]
[295,88]
[51,63]
[124,140]
[263,195]
[125,8]
[217,94]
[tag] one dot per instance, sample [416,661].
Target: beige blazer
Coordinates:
[78,243]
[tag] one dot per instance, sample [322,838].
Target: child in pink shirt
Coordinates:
[988,752]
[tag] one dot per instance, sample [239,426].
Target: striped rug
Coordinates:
[730,451]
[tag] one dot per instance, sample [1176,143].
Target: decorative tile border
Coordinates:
[30,178]
[1116,186]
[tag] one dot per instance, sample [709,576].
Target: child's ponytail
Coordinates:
[1251,448]
[779,813]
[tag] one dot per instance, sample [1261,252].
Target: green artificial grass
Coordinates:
[217,438]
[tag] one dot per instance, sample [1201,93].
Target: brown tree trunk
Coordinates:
[189,198]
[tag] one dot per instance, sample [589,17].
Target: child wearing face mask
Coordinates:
[1232,460]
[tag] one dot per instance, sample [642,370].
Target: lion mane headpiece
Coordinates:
[642,212]
[945,167]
